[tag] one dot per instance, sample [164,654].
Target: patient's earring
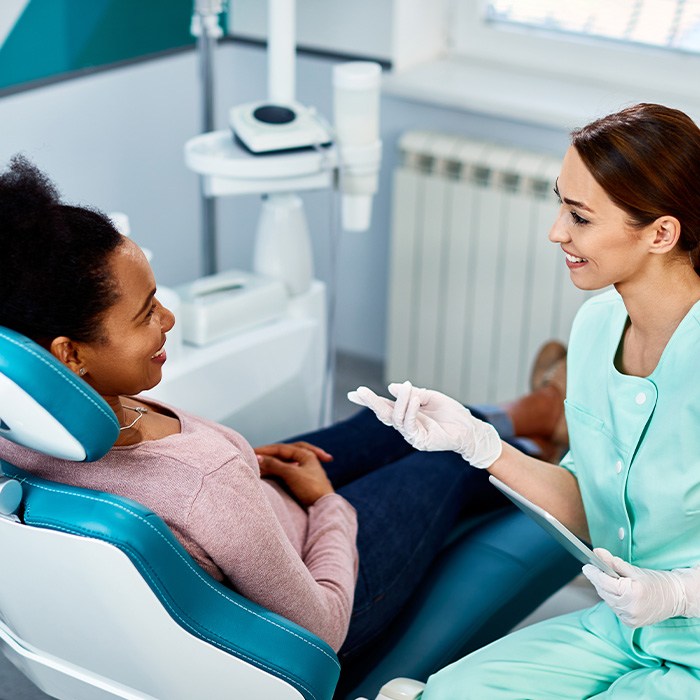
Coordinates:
[82,371]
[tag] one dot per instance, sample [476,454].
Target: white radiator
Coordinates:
[475,285]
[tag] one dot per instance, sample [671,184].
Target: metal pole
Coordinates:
[205,27]
[327,400]
[205,44]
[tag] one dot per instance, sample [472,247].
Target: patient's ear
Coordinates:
[67,352]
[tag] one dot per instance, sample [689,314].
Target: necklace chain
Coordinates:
[141,410]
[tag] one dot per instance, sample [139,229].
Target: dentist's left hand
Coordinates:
[431,421]
[642,597]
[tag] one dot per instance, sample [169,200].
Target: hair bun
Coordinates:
[27,197]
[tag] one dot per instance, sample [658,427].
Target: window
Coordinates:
[672,24]
[559,63]
[615,42]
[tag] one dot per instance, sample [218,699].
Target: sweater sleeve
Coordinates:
[232,519]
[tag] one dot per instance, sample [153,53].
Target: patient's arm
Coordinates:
[311,580]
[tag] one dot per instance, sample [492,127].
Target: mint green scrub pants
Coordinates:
[586,654]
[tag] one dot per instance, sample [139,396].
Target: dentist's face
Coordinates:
[599,242]
[129,357]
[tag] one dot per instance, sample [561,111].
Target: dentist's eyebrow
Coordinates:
[146,304]
[571,202]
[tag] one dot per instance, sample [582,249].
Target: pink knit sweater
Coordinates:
[204,482]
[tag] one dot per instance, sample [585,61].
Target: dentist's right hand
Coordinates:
[431,421]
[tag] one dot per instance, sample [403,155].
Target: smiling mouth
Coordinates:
[159,353]
[574,259]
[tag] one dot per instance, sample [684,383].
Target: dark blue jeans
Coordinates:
[407,504]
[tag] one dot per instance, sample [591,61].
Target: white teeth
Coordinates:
[160,352]
[573,259]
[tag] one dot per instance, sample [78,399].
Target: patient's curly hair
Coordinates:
[54,272]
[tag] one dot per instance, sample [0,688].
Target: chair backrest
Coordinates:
[98,599]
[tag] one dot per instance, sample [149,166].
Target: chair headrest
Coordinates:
[44,406]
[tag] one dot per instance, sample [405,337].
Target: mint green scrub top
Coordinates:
[635,450]
[635,442]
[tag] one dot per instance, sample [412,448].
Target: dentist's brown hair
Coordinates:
[647,159]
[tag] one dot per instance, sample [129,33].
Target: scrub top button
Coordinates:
[640,398]
[621,533]
[618,466]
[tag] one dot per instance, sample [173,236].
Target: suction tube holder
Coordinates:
[356,89]
[359,181]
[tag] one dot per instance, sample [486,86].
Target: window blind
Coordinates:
[669,24]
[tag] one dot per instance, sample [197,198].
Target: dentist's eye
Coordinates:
[578,220]
[556,192]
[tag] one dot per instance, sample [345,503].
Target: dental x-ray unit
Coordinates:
[279,123]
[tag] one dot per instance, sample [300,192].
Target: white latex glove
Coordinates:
[642,597]
[433,422]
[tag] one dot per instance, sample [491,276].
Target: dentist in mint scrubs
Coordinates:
[629,189]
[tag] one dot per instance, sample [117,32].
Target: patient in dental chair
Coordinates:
[321,528]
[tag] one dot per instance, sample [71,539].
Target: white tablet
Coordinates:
[561,534]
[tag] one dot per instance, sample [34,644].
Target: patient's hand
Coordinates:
[298,465]
[318,451]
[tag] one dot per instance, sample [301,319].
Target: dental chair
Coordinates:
[99,600]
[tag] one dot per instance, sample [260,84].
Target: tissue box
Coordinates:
[218,306]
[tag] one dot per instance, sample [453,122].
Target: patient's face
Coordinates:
[130,356]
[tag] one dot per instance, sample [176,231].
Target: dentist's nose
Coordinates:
[558,233]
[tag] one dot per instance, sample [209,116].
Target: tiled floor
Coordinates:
[350,372]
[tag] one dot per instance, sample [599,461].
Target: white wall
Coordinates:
[115,140]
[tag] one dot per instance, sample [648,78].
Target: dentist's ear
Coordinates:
[666,232]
